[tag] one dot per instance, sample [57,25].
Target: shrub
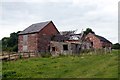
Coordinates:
[8,73]
[20,56]
[116,46]
[45,54]
[86,50]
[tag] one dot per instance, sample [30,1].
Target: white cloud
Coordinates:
[100,15]
[38,1]
[22,0]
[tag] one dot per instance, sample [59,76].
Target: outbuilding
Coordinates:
[37,37]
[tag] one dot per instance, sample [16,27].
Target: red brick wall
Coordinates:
[38,41]
[44,37]
[96,42]
[50,29]
[31,43]
[106,44]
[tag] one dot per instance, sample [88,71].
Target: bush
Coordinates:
[86,50]
[45,54]
[15,48]
[99,51]
[20,56]
[8,73]
[10,43]
[116,46]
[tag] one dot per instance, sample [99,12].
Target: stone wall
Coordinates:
[65,48]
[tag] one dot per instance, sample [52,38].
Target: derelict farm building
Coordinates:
[36,38]
[98,42]
[45,37]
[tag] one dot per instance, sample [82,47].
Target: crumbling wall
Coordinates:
[59,49]
[64,48]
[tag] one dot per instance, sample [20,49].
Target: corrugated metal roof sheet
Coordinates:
[35,27]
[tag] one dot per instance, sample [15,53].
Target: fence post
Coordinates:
[19,55]
[105,50]
[95,51]
[23,55]
[29,54]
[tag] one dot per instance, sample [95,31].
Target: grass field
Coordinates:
[84,66]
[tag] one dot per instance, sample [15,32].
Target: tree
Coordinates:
[116,46]
[88,30]
[10,43]
[5,43]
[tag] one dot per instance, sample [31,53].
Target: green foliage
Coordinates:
[86,51]
[88,30]
[20,56]
[8,73]
[116,46]
[84,66]
[45,54]
[5,43]
[10,43]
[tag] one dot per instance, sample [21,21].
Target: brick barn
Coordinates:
[37,37]
[98,42]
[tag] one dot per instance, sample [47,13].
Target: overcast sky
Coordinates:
[99,15]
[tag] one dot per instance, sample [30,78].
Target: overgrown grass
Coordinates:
[84,66]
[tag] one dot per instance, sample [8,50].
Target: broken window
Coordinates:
[49,48]
[53,48]
[65,47]
[103,46]
[92,43]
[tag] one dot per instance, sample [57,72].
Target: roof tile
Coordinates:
[35,27]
